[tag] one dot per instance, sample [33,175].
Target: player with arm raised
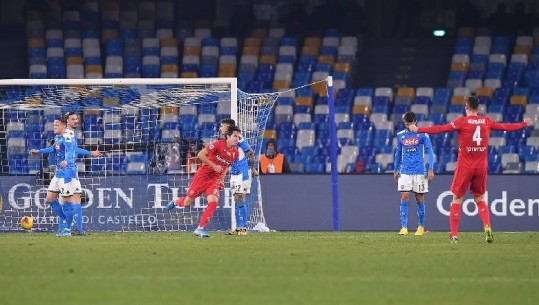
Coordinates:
[65,181]
[471,172]
[72,120]
[410,172]
[216,159]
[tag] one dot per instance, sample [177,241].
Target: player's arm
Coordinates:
[203,157]
[84,152]
[252,162]
[47,150]
[69,152]
[437,129]
[398,158]
[428,148]
[510,126]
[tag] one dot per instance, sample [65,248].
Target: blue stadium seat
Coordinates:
[315,168]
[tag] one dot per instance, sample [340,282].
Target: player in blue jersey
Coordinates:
[65,181]
[72,122]
[410,171]
[241,171]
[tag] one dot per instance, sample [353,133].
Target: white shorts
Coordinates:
[417,183]
[240,186]
[58,185]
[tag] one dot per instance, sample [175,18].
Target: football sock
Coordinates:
[483,213]
[421,214]
[404,214]
[454,219]
[179,201]
[77,211]
[242,209]
[68,211]
[237,213]
[207,214]
[57,208]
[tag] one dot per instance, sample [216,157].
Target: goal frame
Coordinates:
[232,82]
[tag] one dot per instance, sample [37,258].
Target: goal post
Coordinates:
[149,130]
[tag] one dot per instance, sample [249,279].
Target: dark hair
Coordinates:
[409,117]
[231,130]
[473,102]
[229,122]
[69,113]
[62,120]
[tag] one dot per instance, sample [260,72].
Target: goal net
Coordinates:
[149,130]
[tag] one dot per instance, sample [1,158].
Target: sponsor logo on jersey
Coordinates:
[410,141]
[222,160]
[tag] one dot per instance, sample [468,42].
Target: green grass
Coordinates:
[269,268]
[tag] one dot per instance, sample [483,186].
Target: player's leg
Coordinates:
[461,182]
[419,198]
[212,193]
[52,200]
[235,189]
[196,188]
[405,197]
[478,189]
[421,186]
[69,212]
[404,185]
[69,187]
[242,206]
[77,214]
[242,211]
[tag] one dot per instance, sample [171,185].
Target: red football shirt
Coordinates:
[473,132]
[219,154]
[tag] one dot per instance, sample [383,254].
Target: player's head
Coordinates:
[225,123]
[72,119]
[409,118]
[472,103]
[232,135]
[59,126]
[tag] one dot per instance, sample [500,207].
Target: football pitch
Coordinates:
[269,268]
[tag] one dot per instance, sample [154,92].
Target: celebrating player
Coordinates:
[472,167]
[410,171]
[216,158]
[65,181]
[72,121]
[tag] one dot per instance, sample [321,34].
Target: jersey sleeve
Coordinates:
[505,126]
[398,155]
[453,126]
[47,150]
[244,146]
[428,148]
[213,146]
[81,151]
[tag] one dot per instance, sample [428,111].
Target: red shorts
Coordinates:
[201,184]
[473,178]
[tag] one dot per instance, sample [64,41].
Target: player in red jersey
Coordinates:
[216,159]
[472,165]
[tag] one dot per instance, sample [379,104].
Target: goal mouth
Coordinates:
[149,131]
